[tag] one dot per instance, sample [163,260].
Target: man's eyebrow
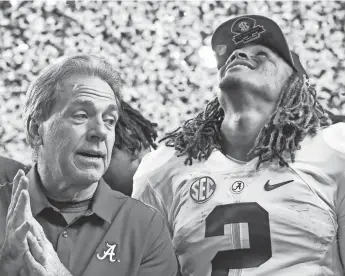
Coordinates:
[113,107]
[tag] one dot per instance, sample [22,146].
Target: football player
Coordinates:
[135,136]
[254,184]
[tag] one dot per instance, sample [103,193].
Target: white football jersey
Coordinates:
[227,218]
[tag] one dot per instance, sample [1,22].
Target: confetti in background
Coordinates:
[161,48]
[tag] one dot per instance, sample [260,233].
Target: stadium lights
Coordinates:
[207,56]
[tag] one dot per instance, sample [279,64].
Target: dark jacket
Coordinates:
[9,168]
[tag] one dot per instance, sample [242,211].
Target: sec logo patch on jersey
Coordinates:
[202,189]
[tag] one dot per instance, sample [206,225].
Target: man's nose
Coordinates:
[238,54]
[98,130]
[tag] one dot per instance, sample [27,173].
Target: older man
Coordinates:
[61,219]
[265,192]
[135,136]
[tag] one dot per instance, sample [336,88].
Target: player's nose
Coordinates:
[238,54]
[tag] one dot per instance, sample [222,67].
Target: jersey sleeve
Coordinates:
[152,182]
[335,138]
[143,191]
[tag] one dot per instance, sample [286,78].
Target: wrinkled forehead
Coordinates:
[85,89]
[92,88]
[87,85]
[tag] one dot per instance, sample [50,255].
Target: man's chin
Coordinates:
[231,82]
[237,82]
[88,176]
[92,175]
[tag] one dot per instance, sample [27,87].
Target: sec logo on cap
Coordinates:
[202,189]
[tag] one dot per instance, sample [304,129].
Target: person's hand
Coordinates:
[39,257]
[42,260]
[19,222]
[17,226]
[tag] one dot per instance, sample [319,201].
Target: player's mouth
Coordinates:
[244,63]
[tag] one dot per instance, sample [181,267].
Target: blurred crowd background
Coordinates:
[161,48]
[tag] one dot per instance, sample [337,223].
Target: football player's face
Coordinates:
[122,168]
[254,68]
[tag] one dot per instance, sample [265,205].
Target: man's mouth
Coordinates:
[241,63]
[91,155]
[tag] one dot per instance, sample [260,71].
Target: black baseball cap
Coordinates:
[237,32]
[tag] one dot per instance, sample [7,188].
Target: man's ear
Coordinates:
[35,130]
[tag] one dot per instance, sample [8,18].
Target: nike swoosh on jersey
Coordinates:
[271,187]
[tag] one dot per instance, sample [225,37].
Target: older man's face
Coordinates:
[79,135]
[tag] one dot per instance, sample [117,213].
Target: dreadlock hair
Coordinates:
[298,114]
[133,131]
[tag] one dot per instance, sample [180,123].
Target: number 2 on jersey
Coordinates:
[260,249]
